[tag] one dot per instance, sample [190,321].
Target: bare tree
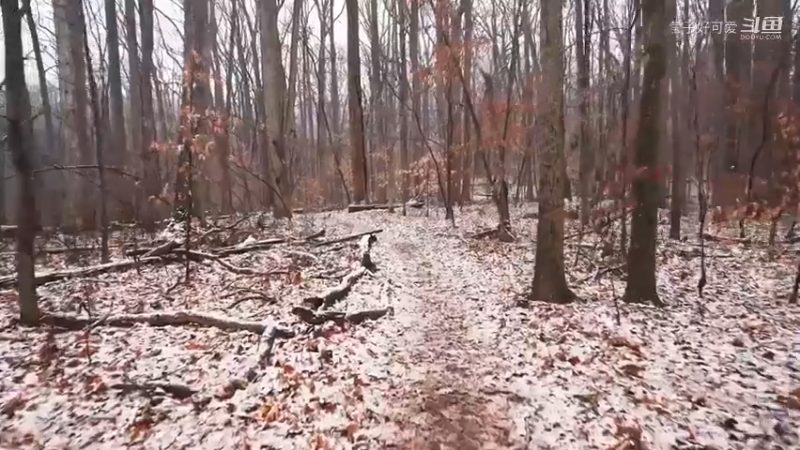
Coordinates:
[549,279]
[641,286]
[358,156]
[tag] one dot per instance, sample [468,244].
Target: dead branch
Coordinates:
[725,239]
[10,281]
[251,246]
[260,245]
[347,238]
[318,318]
[160,319]
[371,207]
[162,249]
[200,256]
[340,291]
[262,297]
[178,391]
[258,360]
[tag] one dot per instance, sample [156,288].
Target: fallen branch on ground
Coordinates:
[200,256]
[372,207]
[178,391]
[350,237]
[262,297]
[159,319]
[340,291]
[318,318]
[258,360]
[10,281]
[263,244]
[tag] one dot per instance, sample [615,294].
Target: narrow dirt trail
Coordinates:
[444,389]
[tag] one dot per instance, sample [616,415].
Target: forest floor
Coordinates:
[461,361]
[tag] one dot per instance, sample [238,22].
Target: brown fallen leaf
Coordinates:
[350,431]
[632,370]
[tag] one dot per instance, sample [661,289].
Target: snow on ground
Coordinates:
[461,363]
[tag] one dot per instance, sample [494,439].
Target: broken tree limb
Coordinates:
[318,318]
[350,237]
[161,319]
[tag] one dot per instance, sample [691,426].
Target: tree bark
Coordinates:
[358,156]
[116,111]
[135,96]
[641,286]
[583,54]
[403,94]
[678,186]
[549,279]
[53,187]
[20,141]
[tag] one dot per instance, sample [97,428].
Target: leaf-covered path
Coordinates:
[444,380]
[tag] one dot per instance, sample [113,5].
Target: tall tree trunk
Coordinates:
[135,116]
[376,141]
[416,92]
[55,181]
[148,150]
[549,279]
[737,82]
[678,186]
[221,139]
[468,159]
[358,157]
[277,100]
[583,54]
[195,126]
[99,135]
[336,108]
[20,141]
[115,155]
[716,12]
[72,82]
[641,286]
[403,94]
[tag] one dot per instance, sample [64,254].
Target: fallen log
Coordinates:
[161,319]
[347,238]
[318,318]
[10,281]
